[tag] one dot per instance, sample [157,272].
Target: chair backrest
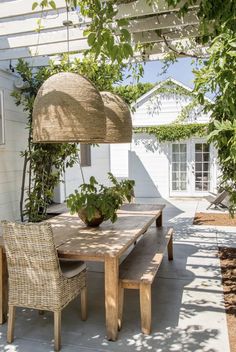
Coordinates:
[32,261]
[220,197]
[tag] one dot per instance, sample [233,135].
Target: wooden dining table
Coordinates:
[106,243]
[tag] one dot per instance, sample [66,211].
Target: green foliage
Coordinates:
[219,76]
[211,13]
[47,162]
[174,132]
[96,197]
[130,93]
[102,74]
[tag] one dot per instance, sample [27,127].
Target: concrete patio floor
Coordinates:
[188,306]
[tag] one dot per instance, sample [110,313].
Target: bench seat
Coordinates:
[140,267]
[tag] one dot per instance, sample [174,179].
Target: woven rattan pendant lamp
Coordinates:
[118,119]
[68,108]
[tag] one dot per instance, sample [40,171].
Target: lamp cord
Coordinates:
[68,58]
[68,34]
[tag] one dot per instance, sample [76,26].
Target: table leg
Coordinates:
[3,286]
[111,296]
[159,220]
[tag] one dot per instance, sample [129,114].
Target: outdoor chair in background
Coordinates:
[36,278]
[217,200]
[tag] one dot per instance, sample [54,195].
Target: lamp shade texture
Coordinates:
[118,119]
[68,108]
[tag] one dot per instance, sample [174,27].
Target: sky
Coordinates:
[181,71]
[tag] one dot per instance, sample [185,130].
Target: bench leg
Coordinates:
[84,303]
[121,305]
[11,323]
[145,308]
[170,248]
[159,220]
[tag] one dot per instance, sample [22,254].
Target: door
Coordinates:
[200,177]
[191,169]
[179,183]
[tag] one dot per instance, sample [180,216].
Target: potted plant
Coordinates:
[96,203]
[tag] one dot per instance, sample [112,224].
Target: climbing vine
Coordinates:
[175,132]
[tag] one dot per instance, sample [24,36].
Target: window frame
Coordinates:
[85,155]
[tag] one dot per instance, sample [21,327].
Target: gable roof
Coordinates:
[160,84]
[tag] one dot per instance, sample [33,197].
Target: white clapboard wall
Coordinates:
[11,163]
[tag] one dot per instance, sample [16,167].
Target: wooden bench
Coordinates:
[139,269]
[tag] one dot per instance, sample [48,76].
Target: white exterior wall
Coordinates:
[153,111]
[119,159]
[148,166]
[11,164]
[100,166]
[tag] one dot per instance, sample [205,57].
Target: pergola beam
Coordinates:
[24,24]
[140,8]
[162,21]
[22,8]
[45,49]
[153,37]
[44,37]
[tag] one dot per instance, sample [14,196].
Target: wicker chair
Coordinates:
[36,279]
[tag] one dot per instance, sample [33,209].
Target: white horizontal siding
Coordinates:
[100,166]
[119,159]
[164,110]
[149,167]
[11,164]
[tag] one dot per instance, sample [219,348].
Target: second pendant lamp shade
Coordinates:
[118,119]
[68,108]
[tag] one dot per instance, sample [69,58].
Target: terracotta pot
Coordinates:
[95,221]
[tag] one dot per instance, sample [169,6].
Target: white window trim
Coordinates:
[2,119]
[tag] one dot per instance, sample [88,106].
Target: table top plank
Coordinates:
[73,239]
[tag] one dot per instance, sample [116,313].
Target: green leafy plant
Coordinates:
[95,202]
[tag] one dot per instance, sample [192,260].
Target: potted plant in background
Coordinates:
[96,203]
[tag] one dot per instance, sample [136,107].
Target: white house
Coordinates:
[172,169]
[13,139]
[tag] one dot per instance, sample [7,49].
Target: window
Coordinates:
[2,132]
[202,167]
[85,154]
[179,167]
